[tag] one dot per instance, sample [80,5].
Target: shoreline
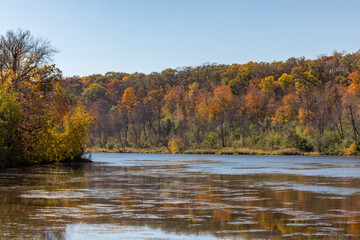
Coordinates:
[79,160]
[224,151]
[163,150]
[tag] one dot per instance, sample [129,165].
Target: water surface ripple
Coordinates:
[161,196]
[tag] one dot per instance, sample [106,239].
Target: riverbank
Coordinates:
[83,158]
[223,151]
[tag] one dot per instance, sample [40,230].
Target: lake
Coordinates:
[164,196]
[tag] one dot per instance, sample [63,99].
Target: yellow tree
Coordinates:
[218,109]
[267,84]
[129,99]
[127,104]
[285,81]
[46,112]
[305,83]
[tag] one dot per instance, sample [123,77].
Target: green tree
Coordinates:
[10,124]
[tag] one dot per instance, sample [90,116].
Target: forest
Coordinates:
[297,106]
[39,121]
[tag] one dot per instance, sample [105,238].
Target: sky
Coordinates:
[152,35]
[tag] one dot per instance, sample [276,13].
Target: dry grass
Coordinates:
[224,151]
[128,150]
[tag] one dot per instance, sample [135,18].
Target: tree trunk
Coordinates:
[356,133]
[222,135]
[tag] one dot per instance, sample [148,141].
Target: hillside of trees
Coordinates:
[301,105]
[298,106]
[39,121]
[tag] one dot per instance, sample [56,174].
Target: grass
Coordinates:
[223,151]
[244,151]
[127,150]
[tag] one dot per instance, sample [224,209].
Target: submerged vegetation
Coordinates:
[298,106]
[39,121]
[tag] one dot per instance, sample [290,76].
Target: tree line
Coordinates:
[301,104]
[39,121]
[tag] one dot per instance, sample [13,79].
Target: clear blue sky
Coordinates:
[151,35]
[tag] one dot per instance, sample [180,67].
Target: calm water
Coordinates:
[153,196]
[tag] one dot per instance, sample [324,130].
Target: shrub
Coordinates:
[110,145]
[353,149]
[210,139]
[301,143]
[176,145]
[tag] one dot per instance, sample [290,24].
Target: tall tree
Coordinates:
[21,57]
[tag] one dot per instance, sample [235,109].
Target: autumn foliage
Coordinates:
[298,104]
[39,121]
[306,105]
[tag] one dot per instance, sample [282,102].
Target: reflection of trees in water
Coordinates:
[17,213]
[169,198]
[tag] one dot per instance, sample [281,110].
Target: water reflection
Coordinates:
[147,196]
[111,231]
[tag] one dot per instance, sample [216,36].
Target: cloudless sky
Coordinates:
[152,35]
